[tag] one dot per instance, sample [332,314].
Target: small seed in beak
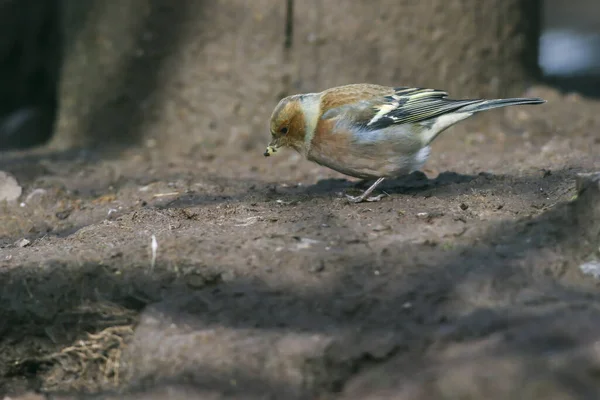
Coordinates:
[270,150]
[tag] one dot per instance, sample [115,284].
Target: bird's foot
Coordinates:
[366,193]
[360,199]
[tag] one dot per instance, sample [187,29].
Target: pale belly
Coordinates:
[365,163]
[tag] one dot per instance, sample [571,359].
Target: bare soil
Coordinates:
[463,283]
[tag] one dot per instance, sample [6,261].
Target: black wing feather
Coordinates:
[412,105]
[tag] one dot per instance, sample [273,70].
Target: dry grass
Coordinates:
[89,364]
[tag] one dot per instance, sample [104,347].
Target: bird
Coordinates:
[370,131]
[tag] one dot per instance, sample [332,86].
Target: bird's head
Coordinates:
[287,125]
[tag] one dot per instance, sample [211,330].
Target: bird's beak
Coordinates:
[272,147]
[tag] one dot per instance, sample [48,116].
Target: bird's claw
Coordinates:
[360,199]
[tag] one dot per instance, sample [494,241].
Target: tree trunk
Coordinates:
[198,75]
[189,74]
[468,47]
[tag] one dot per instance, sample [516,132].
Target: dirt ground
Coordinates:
[264,283]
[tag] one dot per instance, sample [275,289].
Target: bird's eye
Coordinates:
[284,130]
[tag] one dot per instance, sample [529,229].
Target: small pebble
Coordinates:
[463,206]
[318,267]
[381,228]
[23,243]
[62,215]
[9,188]
[591,268]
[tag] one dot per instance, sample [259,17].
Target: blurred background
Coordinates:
[145,241]
[100,73]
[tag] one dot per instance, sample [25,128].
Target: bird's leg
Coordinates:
[366,193]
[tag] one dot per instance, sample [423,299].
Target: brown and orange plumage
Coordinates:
[370,131]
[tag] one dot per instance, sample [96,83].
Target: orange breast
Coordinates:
[338,151]
[334,146]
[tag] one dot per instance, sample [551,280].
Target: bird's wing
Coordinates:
[401,105]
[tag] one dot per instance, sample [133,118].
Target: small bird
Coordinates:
[370,131]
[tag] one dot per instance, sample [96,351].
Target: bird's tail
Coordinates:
[484,105]
[458,112]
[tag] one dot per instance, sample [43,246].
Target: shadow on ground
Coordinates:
[507,315]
